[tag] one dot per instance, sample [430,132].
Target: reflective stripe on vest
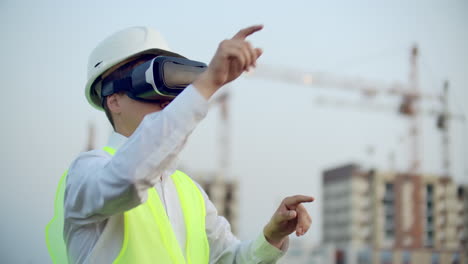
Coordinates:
[148,234]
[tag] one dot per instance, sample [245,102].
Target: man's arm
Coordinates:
[233,57]
[271,244]
[99,186]
[225,248]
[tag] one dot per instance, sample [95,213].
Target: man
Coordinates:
[127,203]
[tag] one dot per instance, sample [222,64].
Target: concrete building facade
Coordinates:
[388,217]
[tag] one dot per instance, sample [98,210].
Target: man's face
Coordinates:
[132,111]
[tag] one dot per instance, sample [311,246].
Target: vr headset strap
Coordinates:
[116,86]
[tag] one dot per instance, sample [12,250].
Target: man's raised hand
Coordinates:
[232,58]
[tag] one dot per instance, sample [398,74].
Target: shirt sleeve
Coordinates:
[225,248]
[99,185]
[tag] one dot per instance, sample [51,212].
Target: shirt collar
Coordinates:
[116,140]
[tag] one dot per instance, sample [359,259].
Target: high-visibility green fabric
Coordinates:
[148,234]
[54,229]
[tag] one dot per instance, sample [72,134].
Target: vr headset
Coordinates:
[158,79]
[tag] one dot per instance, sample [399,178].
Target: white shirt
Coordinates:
[101,187]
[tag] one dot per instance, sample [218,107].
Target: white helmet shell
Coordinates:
[117,48]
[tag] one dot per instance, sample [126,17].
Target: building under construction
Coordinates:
[374,216]
[224,193]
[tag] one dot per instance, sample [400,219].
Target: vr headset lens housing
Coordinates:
[179,76]
[160,78]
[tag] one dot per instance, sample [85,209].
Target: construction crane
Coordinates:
[443,118]
[223,189]
[90,144]
[408,91]
[224,133]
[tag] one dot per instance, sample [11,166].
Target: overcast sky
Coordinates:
[281,140]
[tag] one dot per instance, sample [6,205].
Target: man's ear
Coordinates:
[164,104]
[113,103]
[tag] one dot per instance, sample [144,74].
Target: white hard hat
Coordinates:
[117,48]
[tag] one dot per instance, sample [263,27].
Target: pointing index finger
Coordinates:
[244,33]
[293,201]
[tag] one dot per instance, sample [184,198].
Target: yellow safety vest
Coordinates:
[148,234]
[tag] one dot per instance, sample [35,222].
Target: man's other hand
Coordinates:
[290,216]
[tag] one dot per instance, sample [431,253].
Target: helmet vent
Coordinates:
[97,64]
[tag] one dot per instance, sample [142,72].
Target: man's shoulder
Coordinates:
[92,154]
[89,160]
